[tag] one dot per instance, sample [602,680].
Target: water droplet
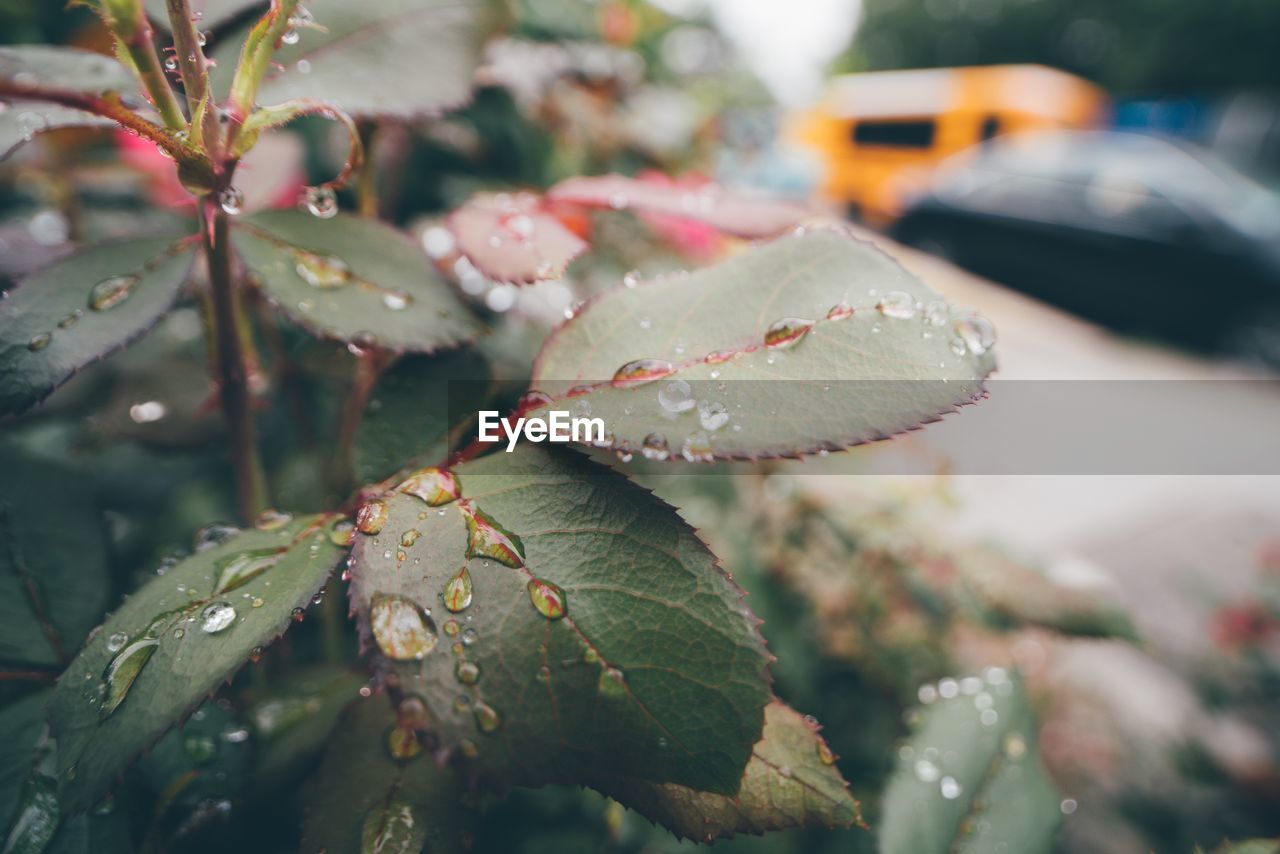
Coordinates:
[116,642]
[840,311]
[718,357]
[958,346]
[37,815]
[202,38]
[1014,746]
[936,313]
[343,532]
[631,279]
[468,748]
[989,717]
[977,333]
[452,628]
[469,636]
[320,201]
[697,448]
[39,342]
[393,828]
[236,571]
[655,447]
[547,598]
[372,516]
[612,684]
[110,292]
[897,304]
[825,756]
[71,319]
[438,242]
[948,688]
[487,720]
[290,37]
[216,617]
[401,628]
[468,672]
[486,538]
[322,271]
[1068,806]
[147,412]
[926,771]
[298,614]
[676,396]
[396,300]
[434,486]
[213,535]
[786,332]
[171,63]
[272,520]
[949,787]
[122,671]
[590,656]
[231,201]
[457,593]
[403,743]
[641,371]
[712,416]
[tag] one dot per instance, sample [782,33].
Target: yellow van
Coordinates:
[880,134]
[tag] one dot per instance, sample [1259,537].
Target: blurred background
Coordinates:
[1099,178]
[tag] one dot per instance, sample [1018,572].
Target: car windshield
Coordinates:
[1189,177]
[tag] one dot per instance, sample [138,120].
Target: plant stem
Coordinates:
[369,366]
[233,374]
[195,73]
[141,49]
[367,190]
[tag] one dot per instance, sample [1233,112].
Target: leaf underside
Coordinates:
[969,783]
[372,284]
[791,781]
[859,376]
[189,662]
[400,58]
[49,328]
[657,670]
[54,68]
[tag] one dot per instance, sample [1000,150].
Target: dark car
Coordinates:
[1137,232]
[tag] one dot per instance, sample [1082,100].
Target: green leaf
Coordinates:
[81,308]
[354,280]
[24,729]
[778,351]
[600,634]
[54,582]
[42,67]
[510,238]
[414,406]
[791,781]
[400,58]
[363,800]
[970,779]
[200,644]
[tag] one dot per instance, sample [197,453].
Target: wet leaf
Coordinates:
[791,781]
[56,68]
[54,582]
[970,779]
[361,796]
[23,726]
[80,309]
[651,667]
[510,239]
[815,341]
[406,419]
[202,641]
[392,58]
[353,279]
[732,212]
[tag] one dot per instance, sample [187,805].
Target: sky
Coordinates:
[787,42]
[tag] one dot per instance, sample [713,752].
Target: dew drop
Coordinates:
[487,538]
[457,592]
[697,448]
[897,304]
[467,672]
[71,319]
[612,684]
[548,599]
[840,311]
[487,720]
[122,671]
[272,520]
[343,532]
[786,332]
[117,641]
[216,617]
[290,37]
[825,756]
[977,333]
[213,535]
[949,787]
[640,372]
[958,346]
[171,63]
[396,300]
[936,313]
[39,342]
[1014,746]
[655,447]
[322,271]
[372,516]
[676,396]
[110,292]
[469,636]
[237,570]
[433,485]
[231,201]
[320,201]
[712,416]
[926,771]
[403,631]
[403,743]
[452,628]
